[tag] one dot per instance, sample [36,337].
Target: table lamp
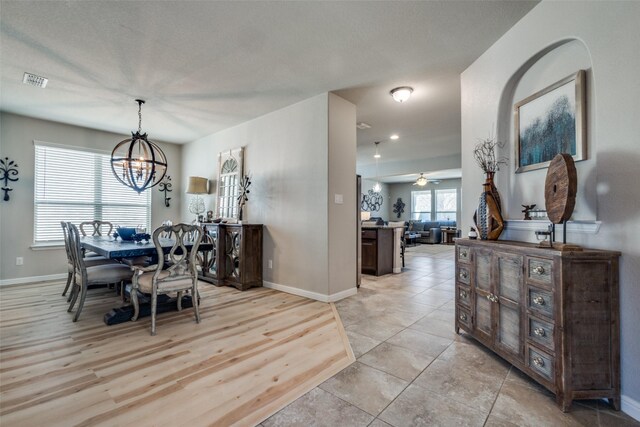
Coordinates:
[197,186]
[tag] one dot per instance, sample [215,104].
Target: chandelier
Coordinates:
[137,162]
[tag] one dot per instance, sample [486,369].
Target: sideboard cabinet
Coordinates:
[552,314]
[236,257]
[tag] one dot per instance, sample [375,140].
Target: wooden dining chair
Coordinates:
[180,276]
[95,228]
[89,262]
[85,276]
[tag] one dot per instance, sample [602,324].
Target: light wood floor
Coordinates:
[253,353]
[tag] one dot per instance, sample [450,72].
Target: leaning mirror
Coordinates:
[230,165]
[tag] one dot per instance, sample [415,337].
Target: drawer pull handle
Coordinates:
[463,317]
[463,294]
[538,300]
[538,361]
[539,270]
[464,254]
[464,274]
[539,332]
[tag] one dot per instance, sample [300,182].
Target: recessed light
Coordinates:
[394,137]
[34,80]
[401,94]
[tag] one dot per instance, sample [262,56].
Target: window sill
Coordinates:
[47,246]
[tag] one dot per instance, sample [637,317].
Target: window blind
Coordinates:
[76,186]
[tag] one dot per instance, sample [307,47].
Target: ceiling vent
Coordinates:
[33,80]
[363,125]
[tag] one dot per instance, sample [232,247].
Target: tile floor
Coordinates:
[413,370]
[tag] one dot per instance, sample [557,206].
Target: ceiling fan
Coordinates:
[422,180]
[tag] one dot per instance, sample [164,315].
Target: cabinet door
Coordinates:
[510,292]
[482,305]
[231,256]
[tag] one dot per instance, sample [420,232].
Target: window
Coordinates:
[421,205]
[434,205]
[446,204]
[74,185]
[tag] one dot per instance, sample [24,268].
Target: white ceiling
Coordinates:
[205,66]
[431,176]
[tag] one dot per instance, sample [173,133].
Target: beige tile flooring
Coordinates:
[413,370]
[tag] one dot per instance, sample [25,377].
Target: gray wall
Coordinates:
[288,154]
[404,190]
[17,134]
[604,38]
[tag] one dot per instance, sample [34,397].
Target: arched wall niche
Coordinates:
[548,66]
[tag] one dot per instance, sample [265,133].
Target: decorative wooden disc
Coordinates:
[560,188]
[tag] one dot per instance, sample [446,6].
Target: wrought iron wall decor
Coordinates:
[245,183]
[8,173]
[372,201]
[398,207]
[165,187]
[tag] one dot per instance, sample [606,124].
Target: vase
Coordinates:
[488,216]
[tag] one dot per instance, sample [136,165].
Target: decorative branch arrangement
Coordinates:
[8,170]
[245,183]
[372,201]
[485,155]
[398,207]
[165,187]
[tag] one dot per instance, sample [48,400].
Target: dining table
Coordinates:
[118,249]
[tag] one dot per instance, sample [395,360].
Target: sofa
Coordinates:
[428,231]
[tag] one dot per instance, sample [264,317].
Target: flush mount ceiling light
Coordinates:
[394,137]
[401,94]
[34,80]
[137,162]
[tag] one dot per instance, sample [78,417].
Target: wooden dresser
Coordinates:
[554,315]
[236,258]
[377,250]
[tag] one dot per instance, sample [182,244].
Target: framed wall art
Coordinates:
[551,121]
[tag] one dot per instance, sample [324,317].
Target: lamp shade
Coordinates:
[197,185]
[365,216]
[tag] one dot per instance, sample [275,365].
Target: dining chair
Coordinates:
[89,262]
[85,276]
[95,229]
[180,276]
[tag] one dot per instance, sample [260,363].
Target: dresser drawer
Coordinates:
[540,270]
[464,275]
[463,317]
[540,301]
[463,254]
[463,295]
[541,332]
[540,362]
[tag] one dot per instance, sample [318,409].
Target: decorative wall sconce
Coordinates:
[8,173]
[165,187]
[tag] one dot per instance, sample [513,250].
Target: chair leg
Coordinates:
[194,298]
[179,301]
[154,301]
[66,288]
[83,295]
[136,307]
[73,296]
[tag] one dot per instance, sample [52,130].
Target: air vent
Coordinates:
[33,80]
[363,125]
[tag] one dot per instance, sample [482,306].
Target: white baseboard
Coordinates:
[32,279]
[309,294]
[630,407]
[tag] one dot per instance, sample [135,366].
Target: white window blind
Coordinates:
[421,205]
[74,185]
